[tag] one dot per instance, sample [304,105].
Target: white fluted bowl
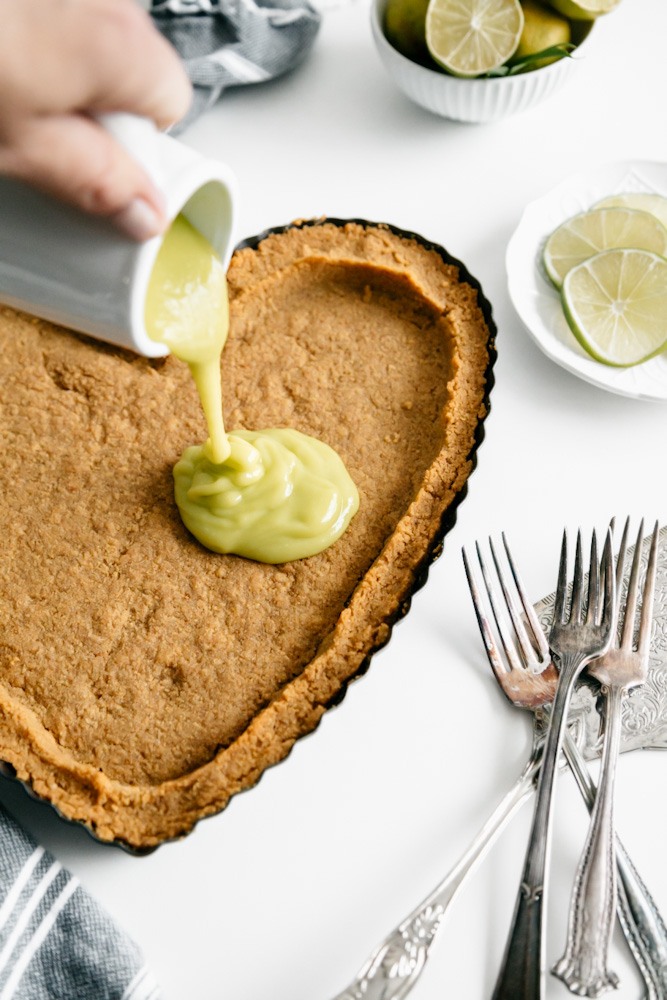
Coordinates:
[476,100]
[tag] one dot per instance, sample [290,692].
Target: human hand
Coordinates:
[61,63]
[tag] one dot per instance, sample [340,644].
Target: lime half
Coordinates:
[654,204]
[616,305]
[471,37]
[601,229]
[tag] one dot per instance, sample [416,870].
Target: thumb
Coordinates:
[73,158]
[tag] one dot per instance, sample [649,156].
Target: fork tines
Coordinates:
[522,639]
[594,606]
[627,637]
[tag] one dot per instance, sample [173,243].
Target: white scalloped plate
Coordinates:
[537,301]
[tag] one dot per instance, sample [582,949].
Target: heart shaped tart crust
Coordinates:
[143,679]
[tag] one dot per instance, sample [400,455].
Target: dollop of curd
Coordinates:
[272,495]
[281,495]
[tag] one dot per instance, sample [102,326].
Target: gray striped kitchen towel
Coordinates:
[226,43]
[56,943]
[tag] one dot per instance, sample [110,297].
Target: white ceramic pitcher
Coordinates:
[78,270]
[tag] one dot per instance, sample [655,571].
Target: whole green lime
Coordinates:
[542,28]
[583,10]
[405,28]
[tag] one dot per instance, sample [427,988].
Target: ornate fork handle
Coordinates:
[583,967]
[648,934]
[521,976]
[642,924]
[395,965]
[393,968]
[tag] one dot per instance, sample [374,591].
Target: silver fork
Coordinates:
[574,641]
[395,965]
[583,968]
[526,675]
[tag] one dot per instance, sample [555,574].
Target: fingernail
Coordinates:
[139,220]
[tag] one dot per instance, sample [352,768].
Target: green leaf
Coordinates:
[527,63]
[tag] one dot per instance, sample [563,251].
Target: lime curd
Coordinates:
[271,495]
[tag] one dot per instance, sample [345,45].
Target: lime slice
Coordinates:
[654,204]
[601,229]
[583,10]
[616,305]
[471,37]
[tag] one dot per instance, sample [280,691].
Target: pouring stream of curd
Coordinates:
[188,310]
[272,495]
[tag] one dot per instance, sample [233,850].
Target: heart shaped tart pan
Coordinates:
[144,680]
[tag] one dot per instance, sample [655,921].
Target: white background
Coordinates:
[282,896]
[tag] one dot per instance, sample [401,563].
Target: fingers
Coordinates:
[131,67]
[74,159]
[58,56]
[64,61]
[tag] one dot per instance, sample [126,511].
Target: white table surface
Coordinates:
[282,896]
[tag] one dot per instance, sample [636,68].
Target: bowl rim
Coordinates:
[377,8]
